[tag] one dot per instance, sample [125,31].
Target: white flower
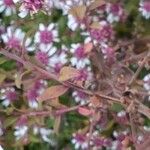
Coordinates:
[14,39]
[45,133]
[80,59]
[121,113]
[147,82]
[7,6]
[145,8]
[46,36]
[20,131]
[146,128]
[1,148]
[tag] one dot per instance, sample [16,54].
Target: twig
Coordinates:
[139,69]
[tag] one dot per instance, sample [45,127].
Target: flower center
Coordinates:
[42,57]
[33,5]
[147,6]
[14,43]
[79,53]
[8,2]
[11,95]
[46,37]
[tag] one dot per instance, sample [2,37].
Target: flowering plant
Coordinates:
[74,74]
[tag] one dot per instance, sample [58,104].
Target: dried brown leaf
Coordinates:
[96,3]
[78,11]
[67,73]
[53,92]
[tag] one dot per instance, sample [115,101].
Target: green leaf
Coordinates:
[2,60]
[2,77]
[9,121]
[116,107]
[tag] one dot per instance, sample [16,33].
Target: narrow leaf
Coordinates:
[96,3]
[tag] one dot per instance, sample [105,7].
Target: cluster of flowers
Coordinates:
[96,31]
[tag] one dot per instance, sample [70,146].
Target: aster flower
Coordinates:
[114,12]
[122,117]
[8,95]
[46,36]
[1,148]
[80,97]
[108,52]
[73,23]
[80,141]
[79,58]
[147,82]
[99,35]
[57,61]
[29,6]
[33,93]
[45,134]
[21,128]
[8,7]
[145,8]
[14,39]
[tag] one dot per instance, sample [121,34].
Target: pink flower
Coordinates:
[34,92]
[80,141]
[8,95]
[103,33]
[14,39]
[7,6]
[29,6]
[80,97]
[115,12]
[80,58]
[145,8]
[45,37]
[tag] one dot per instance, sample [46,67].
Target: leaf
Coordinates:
[116,107]
[96,3]
[2,60]
[53,92]
[78,11]
[57,124]
[18,78]
[84,111]
[67,73]
[88,47]
[9,121]
[2,77]
[95,25]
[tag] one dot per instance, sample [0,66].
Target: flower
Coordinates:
[103,33]
[45,133]
[1,148]
[46,36]
[21,128]
[109,53]
[57,61]
[29,6]
[7,6]
[14,39]
[145,8]
[79,58]
[8,95]
[147,82]
[80,141]
[80,97]
[114,12]
[34,92]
